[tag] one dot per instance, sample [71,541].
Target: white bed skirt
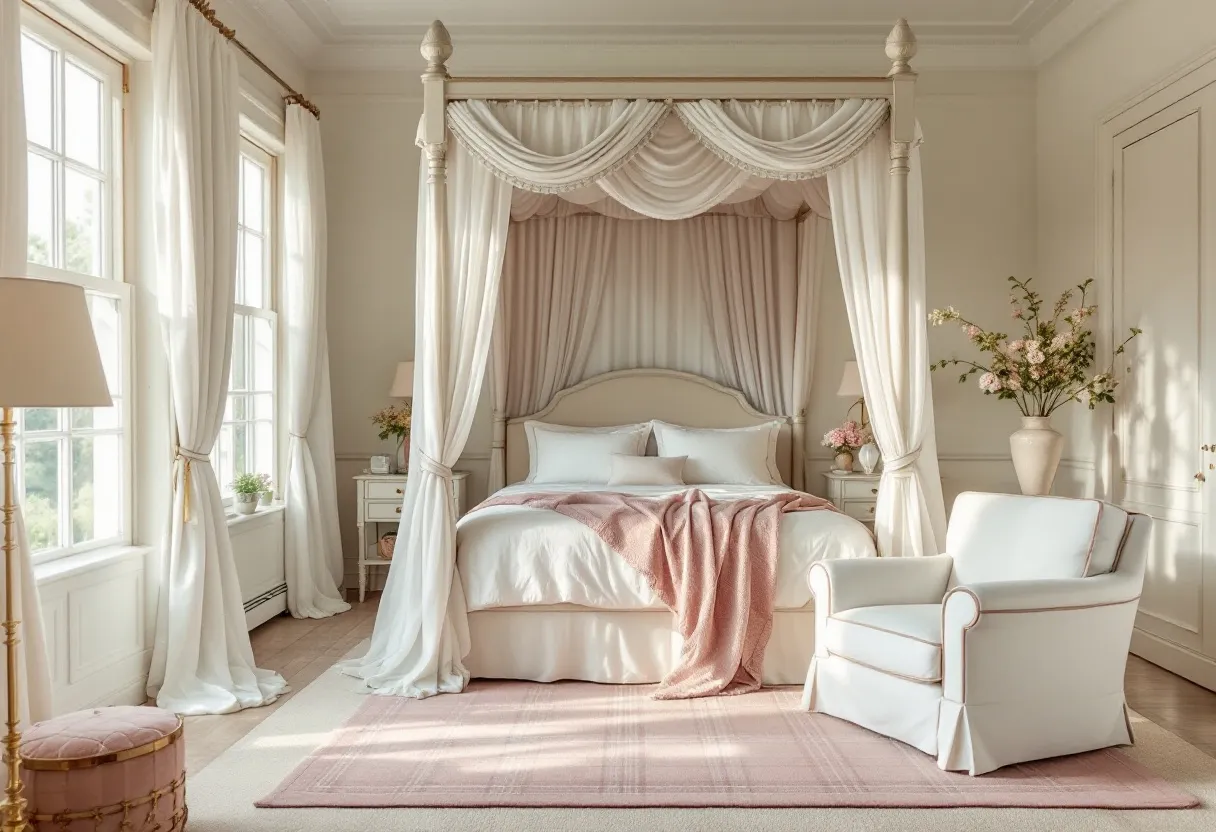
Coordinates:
[546,644]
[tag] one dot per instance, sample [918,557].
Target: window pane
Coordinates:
[240,375]
[254,272]
[41,418]
[96,418]
[96,488]
[240,448]
[263,408]
[107,328]
[223,462]
[82,94]
[263,354]
[240,268]
[263,446]
[82,223]
[41,501]
[41,172]
[253,193]
[38,74]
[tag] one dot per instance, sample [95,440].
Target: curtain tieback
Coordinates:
[188,457]
[904,466]
[432,466]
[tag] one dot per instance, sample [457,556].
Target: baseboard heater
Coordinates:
[257,601]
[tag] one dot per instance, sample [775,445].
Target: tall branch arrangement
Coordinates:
[1049,365]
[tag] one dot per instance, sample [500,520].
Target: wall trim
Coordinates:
[1177,659]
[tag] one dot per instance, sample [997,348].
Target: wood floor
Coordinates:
[303,649]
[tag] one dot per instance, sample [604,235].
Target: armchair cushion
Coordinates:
[1009,537]
[904,640]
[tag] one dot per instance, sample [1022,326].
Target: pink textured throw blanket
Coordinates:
[713,563]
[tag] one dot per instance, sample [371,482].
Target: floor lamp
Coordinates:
[48,358]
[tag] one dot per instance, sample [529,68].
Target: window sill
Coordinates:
[262,515]
[72,565]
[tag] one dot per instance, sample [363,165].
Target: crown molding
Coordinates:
[1077,18]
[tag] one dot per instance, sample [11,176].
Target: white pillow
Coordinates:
[738,456]
[647,470]
[562,453]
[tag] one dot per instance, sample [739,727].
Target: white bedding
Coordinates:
[510,556]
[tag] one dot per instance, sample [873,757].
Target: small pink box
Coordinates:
[106,769]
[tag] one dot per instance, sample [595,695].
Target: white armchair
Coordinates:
[1010,647]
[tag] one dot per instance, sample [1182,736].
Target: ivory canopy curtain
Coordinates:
[728,297]
[312,544]
[202,662]
[630,151]
[34,673]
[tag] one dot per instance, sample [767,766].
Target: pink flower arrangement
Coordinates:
[848,437]
[1049,364]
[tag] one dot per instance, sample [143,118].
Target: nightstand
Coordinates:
[379,504]
[854,494]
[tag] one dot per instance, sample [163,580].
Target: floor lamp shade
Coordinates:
[48,354]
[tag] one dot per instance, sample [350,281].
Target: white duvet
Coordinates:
[510,556]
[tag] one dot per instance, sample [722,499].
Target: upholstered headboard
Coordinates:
[629,396]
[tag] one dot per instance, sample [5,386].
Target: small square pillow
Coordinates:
[647,470]
[736,456]
[563,453]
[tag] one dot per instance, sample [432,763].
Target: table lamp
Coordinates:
[403,381]
[850,388]
[48,358]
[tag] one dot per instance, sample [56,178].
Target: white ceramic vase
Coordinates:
[869,456]
[1036,452]
[245,503]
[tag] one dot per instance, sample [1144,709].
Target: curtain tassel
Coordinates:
[186,457]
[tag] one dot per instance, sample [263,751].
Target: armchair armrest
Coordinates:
[849,583]
[1048,595]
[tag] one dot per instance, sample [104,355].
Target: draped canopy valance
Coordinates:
[664,160]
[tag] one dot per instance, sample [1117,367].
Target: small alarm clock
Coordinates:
[381,464]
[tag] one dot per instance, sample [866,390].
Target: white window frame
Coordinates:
[111,284]
[269,312]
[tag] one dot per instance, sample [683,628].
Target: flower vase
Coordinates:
[844,462]
[1036,450]
[403,454]
[869,456]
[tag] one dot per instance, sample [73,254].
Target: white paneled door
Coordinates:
[1163,268]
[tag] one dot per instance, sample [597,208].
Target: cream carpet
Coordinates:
[221,796]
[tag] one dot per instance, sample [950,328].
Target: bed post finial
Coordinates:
[901,48]
[436,48]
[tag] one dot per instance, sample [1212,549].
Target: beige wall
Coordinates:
[979,199]
[1137,45]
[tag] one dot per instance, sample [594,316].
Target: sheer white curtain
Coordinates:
[910,518]
[201,659]
[313,548]
[421,631]
[34,674]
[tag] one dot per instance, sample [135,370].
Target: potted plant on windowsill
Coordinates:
[1044,368]
[247,492]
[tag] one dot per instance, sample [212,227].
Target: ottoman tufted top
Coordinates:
[99,735]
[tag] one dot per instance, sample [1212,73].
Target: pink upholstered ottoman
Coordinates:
[106,769]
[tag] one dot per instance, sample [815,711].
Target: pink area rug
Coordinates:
[580,744]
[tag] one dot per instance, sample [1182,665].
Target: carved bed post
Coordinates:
[901,48]
[436,48]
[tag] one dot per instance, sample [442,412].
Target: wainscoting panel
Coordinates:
[95,616]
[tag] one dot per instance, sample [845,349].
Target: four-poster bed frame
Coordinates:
[898,86]
[432,616]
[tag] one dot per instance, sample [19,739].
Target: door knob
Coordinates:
[1201,477]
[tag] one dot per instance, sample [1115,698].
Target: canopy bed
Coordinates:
[531,217]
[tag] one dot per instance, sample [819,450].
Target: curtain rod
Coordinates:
[292,97]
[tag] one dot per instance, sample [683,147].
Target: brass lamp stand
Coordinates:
[13,819]
[52,361]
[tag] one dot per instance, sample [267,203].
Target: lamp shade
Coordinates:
[403,382]
[48,354]
[850,381]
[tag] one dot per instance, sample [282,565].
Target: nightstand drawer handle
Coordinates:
[401,491]
[397,509]
[871,509]
[873,490]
